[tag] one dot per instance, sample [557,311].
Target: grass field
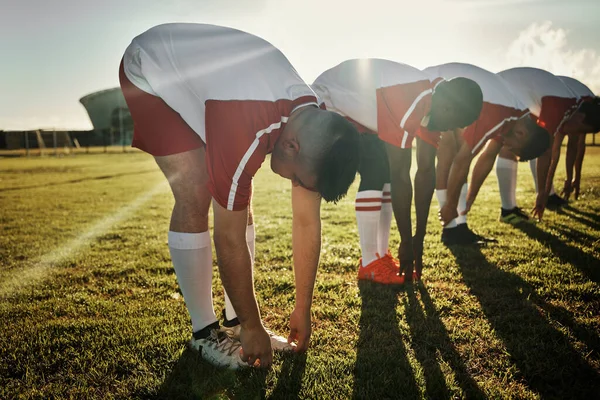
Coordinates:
[90,308]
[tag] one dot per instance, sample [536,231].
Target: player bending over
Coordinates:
[395,102]
[209,103]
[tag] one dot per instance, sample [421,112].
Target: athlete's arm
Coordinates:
[306,245]
[235,267]
[558,139]
[458,176]
[482,169]
[542,167]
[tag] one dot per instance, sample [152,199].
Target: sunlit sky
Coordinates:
[53,52]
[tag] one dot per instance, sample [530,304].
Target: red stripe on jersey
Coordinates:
[398,103]
[232,156]
[494,121]
[387,193]
[386,201]
[556,110]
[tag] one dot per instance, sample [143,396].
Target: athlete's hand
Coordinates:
[256,346]
[567,190]
[576,184]
[540,206]
[300,329]
[447,214]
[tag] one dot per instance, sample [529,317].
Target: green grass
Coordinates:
[90,308]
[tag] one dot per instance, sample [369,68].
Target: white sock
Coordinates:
[462,205]
[533,166]
[250,236]
[385,221]
[368,210]
[506,171]
[191,254]
[442,195]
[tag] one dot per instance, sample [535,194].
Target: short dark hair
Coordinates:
[465,94]
[337,170]
[537,142]
[591,109]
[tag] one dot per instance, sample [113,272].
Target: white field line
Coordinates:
[42,267]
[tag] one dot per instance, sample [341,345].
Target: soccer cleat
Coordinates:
[513,216]
[476,238]
[232,328]
[554,202]
[391,261]
[380,271]
[456,237]
[217,347]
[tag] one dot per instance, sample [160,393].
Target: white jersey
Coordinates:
[494,89]
[386,97]
[546,96]
[581,90]
[500,110]
[189,64]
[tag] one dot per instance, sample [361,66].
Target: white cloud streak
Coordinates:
[544,46]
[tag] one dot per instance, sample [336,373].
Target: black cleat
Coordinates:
[555,202]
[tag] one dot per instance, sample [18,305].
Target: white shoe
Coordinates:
[278,343]
[220,350]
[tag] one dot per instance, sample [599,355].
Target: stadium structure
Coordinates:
[109,115]
[111,121]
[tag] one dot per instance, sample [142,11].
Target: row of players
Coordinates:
[209,103]
[525,114]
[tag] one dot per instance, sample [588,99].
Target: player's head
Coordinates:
[455,103]
[527,139]
[586,119]
[318,150]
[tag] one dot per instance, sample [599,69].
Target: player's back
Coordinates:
[495,90]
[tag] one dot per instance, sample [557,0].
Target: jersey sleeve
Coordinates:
[237,142]
[493,123]
[400,110]
[555,111]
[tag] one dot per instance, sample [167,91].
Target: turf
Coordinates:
[90,308]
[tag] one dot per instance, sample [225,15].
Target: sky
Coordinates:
[53,52]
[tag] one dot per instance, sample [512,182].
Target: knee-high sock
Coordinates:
[191,254]
[462,205]
[533,166]
[368,211]
[385,220]
[506,171]
[441,195]
[250,236]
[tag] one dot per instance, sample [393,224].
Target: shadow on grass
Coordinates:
[91,178]
[584,262]
[193,378]
[382,369]
[589,219]
[289,381]
[545,359]
[428,337]
[594,214]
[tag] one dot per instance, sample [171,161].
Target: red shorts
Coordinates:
[157,128]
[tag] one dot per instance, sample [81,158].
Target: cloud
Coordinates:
[543,46]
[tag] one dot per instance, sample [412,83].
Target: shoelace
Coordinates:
[224,344]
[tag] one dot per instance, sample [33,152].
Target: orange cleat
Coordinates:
[380,271]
